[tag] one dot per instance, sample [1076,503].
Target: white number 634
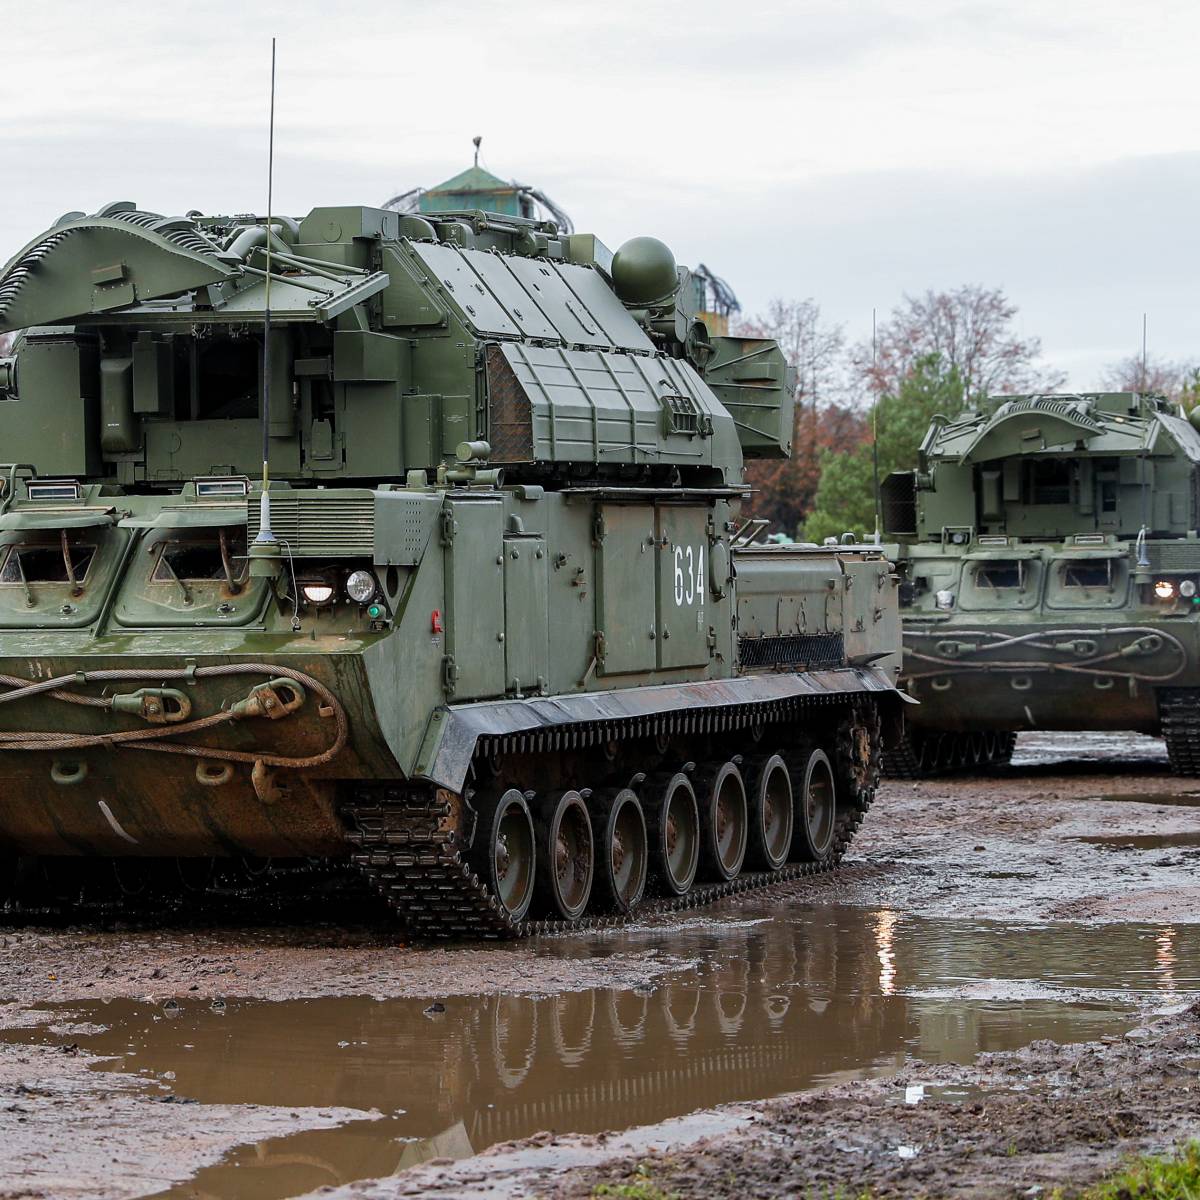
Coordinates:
[689,574]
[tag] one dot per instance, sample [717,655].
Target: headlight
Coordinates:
[1164,589]
[360,586]
[1187,588]
[317,593]
[944,599]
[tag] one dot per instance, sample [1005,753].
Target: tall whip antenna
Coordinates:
[1143,559]
[1143,352]
[264,525]
[875,430]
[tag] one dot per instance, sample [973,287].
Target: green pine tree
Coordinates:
[845,499]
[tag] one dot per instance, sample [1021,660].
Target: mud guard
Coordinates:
[453,732]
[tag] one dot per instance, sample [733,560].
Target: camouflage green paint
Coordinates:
[1055,610]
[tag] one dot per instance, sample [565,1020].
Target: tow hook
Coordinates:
[266,783]
[1151,643]
[275,699]
[159,706]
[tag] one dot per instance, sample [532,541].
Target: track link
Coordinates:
[405,842]
[1179,709]
[921,756]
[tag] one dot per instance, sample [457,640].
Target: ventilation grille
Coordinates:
[1175,556]
[320,526]
[813,650]
[681,414]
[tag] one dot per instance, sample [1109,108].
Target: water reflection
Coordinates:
[885,925]
[1165,958]
[791,1001]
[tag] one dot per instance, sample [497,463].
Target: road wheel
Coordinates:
[565,857]
[816,809]
[673,825]
[772,813]
[619,833]
[723,821]
[503,853]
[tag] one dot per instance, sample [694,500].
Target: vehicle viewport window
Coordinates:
[1088,574]
[210,558]
[1004,573]
[41,562]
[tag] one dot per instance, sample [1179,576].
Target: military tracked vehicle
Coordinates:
[499,638]
[1050,566]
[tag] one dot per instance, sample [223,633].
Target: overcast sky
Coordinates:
[851,151]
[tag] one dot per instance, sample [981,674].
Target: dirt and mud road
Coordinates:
[990,996]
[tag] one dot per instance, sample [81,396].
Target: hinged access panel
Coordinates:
[474,586]
[526,632]
[625,603]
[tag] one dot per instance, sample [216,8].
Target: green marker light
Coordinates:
[374,611]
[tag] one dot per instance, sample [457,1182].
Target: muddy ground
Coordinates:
[1081,830]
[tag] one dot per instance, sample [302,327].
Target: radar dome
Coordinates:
[643,271]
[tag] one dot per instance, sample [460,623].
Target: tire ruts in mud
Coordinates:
[922,756]
[1179,709]
[405,842]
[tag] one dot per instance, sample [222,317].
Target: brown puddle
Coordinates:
[779,1002]
[1144,841]
[1180,799]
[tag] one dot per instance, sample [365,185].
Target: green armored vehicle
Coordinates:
[1050,567]
[502,642]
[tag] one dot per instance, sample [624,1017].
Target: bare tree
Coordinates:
[824,419]
[1156,376]
[815,350]
[970,329]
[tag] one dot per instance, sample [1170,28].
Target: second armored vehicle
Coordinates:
[1050,562]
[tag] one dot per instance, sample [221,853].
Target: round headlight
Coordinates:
[317,593]
[1187,587]
[1164,589]
[360,586]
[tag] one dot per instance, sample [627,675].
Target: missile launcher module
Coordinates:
[505,647]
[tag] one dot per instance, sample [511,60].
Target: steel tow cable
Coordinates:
[1089,666]
[156,739]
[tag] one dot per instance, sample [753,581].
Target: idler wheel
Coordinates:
[503,852]
[673,823]
[772,813]
[723,821]
[816,809]
[565,856]
[619,831]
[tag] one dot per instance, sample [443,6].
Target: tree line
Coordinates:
[934,353]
